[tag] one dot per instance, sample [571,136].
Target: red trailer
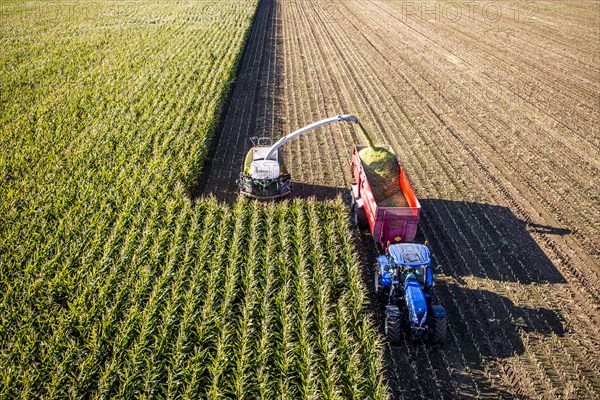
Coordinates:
[387,224]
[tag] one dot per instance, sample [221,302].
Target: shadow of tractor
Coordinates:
[485,328]
[490,324]
[486,241]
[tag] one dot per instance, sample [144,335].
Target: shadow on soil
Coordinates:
[499,322]
[484,329]
[486,241]
[468,239]
[253,107]
[474,241]
[460,368]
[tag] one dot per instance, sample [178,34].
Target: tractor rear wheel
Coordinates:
[440,329]
[393,329]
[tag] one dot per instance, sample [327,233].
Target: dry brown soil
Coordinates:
[493,109]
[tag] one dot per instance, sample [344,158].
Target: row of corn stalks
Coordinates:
[113,284]
[201,300]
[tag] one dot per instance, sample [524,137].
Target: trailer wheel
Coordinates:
[359,217]
[393,329]
[353,217]
[440,329]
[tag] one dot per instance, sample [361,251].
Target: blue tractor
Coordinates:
[403,279]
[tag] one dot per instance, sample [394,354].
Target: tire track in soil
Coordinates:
[313,57]
[255,108]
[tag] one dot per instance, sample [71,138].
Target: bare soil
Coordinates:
[494,116]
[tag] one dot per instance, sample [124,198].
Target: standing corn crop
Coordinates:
[114,283]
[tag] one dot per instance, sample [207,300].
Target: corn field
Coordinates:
[113,282]
[202,301]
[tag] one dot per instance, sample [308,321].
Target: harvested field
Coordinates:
[494,114]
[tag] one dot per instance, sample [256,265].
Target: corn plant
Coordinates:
[114,283]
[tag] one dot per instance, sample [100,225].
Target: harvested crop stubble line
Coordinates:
[484,218]
[338,158]
[442,38]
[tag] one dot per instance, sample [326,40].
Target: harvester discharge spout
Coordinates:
[308,128]
[264,175]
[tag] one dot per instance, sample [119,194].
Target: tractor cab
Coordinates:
[413,261]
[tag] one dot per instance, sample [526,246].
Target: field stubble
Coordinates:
[495,122]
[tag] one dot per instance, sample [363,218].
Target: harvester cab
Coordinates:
[264,175]
[404,279]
